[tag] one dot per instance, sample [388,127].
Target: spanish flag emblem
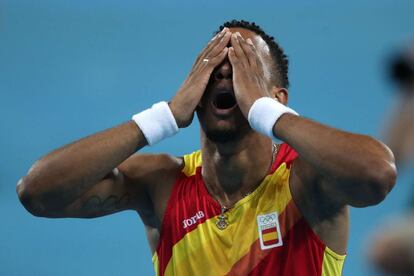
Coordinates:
[269,231]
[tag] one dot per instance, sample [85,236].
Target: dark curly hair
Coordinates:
[280,58]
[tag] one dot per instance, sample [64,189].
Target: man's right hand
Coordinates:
[100,174]
[189,95]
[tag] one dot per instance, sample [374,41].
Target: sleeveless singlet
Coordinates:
[266,232]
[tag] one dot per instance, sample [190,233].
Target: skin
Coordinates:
[102,174]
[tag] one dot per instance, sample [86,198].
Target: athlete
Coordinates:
[243,204]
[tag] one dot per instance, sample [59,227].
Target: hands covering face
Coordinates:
[189,95]
[248,79]
[249,82]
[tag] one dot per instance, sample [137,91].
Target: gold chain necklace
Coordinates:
[222,222]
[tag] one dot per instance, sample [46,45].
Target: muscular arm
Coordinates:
[334,168]
[349,168]
[99,174]
[66,174]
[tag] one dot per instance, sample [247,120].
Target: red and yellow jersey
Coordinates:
[266,233]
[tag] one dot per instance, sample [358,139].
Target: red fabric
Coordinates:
[189,196]
[286,154]
[301,254]
[270,242]
[269,230]
[287,220]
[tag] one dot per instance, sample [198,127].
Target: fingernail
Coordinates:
[225,29]
[249,41]
[238,34]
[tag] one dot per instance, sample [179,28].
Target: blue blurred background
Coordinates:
[71,68]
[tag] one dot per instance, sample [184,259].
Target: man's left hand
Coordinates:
[249,82]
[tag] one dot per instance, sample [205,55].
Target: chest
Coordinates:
[195,217]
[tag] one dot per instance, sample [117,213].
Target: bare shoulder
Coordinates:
[155,173]
[328,220]
[151,176]
[147,168]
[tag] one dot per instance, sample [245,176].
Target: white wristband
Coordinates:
[156,123]
[264,113]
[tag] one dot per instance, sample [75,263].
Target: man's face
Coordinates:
[218,113]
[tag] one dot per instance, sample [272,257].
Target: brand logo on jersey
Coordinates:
[269,231]
[193,220]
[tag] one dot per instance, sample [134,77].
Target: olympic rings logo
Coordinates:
[267,219]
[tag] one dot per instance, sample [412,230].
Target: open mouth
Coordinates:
[225,100]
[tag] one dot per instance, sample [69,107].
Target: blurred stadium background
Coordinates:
[71,68]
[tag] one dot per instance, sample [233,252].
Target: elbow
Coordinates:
[383,178]
[38,192]
[28,198]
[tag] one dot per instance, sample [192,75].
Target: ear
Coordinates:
[281,94]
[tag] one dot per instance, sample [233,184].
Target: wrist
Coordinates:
[264,114]
[175,112]
[281,126]
[156,123]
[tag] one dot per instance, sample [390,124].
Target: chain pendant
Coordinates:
[222,220]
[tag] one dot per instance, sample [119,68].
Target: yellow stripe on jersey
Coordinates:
[209,249]
[191,163]
[332,263]
[155,263]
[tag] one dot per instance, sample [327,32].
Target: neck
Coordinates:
[233,169]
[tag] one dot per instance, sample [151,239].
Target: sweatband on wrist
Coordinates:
[264,113]
[156,123]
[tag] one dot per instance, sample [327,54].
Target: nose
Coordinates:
[223,71]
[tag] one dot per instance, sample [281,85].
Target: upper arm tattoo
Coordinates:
[96,205]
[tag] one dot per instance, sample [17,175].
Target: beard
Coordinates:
[231,129]
[223,136]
